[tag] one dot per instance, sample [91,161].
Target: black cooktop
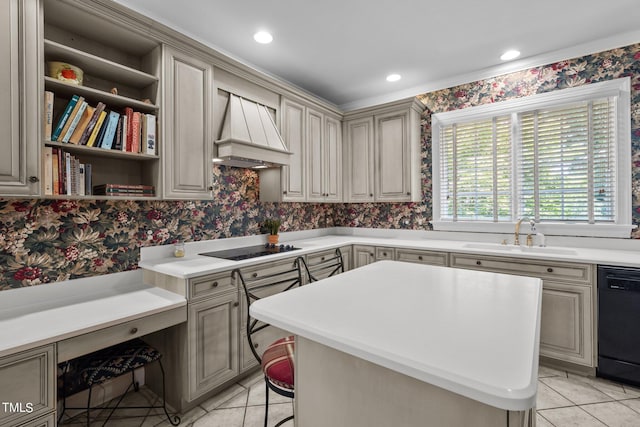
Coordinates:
[247,252]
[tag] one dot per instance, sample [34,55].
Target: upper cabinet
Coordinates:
[187,125]
[99,125]
[382,153]
[314,173]
[19,108]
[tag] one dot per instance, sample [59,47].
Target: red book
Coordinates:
[135,132]
[128,111]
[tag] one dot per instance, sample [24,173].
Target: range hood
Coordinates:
[249,137]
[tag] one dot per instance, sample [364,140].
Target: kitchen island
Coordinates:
[403,344]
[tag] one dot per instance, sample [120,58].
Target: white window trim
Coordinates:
[619,88]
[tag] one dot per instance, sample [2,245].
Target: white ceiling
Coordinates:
[342,50]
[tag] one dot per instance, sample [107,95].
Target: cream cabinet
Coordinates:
[213,343]
[382,153]
[21,88]
[324,161]
[187,125]
[314,136]
[27,381]
[567,328]
[364,254]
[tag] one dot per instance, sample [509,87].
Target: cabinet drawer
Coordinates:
[580,273]
[383,253]
[27,381]
[213,284]
[255,273]
[422,257]
[87,343]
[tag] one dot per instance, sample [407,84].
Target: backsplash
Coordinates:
[44,241]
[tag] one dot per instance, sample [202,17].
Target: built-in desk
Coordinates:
[395,343]
[43,325]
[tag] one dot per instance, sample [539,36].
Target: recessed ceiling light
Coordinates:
[263,37]
[393,77]
[509,55]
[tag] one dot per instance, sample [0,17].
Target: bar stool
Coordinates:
[95,368]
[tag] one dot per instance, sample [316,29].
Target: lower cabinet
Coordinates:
[567,326]
[363,254]
[27,388]
[213,332]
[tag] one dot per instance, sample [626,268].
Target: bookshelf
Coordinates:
[112,54]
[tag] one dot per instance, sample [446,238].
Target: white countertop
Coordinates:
[39,315]
[473,333]
[193,265]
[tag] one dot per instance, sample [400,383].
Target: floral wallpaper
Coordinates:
[44,240]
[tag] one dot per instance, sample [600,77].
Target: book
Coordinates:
[96,129]
[81,179]
[111,123]
[55,174]
[70,119]
[125,129]
[74,122]
[87,179]
[150,138]
[48,171]
[82,125]
[135,132]
[128,111]
[125,186]
[48,114]
[92,123]
[65,116]
[117,140]
[61,173]
[103,128]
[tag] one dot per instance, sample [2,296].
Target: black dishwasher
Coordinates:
[619,324]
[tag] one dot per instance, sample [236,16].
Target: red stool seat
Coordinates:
[277,362]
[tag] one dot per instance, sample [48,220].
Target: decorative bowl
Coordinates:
[65,72]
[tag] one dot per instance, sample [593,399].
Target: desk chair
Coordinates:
[277,359]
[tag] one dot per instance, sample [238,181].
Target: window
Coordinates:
[561,158]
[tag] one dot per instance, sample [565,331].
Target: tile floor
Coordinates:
[564,400]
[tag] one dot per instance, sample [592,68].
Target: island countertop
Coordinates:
[472,333]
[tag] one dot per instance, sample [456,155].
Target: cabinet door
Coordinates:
[27,378]
[392,151]
[293,133]
[21,87]
[363,255]
[188,118]
[315,161]
[565,328]
[332,153]
[213,343]
[359,160]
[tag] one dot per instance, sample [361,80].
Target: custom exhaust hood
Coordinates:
[249,137]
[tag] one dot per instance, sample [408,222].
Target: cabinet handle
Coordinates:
[255,345]
[214,285]
[371,255]
[254,275]
[384,254]
[408,193]
[420,257]
[549,270]
[210,188]
[235,304]
[133,330]
[33,179]
[478,262]
[322,259]
[370,194]
[284,192]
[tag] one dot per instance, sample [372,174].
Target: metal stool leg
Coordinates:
[266,403]
[176,419]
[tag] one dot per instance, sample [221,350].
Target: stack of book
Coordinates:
[82,124]
[64,174]
[124,190]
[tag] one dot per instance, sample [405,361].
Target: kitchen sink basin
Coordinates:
[522,249]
